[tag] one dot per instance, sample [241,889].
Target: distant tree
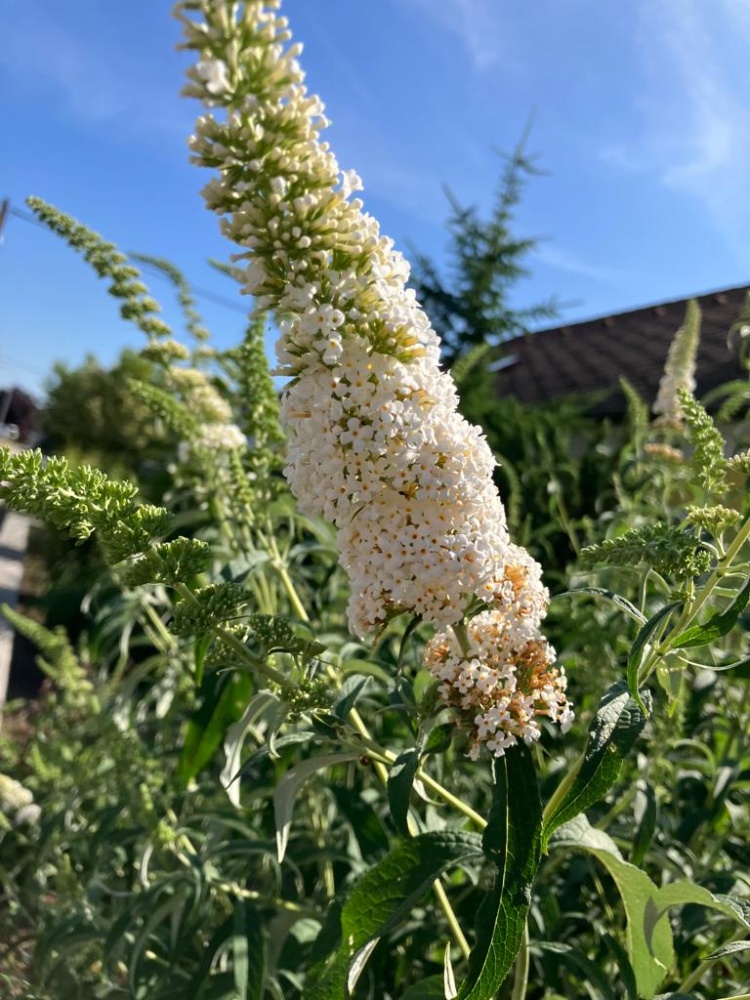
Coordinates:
[19,408]
[471,306]
[92,412]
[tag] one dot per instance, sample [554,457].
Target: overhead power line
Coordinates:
[203,293]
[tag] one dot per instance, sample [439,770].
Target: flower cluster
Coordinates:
[376,443]
[679,370]
[210,411]
[664,452]
[17,802]
[501,681]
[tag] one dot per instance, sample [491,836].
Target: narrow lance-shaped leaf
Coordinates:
[613,732]
[234,740]
[622,602]
[248,951]
[715,627]
[383,897]
[512,842]
[286,791]
[223,701]
[636,653]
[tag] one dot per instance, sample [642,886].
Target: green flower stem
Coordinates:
[167,640]
[693,608]
[253,662]
[256,665]
[562,789]
[441,790]
[719,571]
[450,915]
[461,633]
[521,976]
[297,605]
[279,564]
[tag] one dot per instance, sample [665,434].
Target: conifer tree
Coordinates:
[471,305]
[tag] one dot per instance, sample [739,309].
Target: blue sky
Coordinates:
[640,121]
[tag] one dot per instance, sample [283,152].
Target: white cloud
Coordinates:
[474,22]
[694,108]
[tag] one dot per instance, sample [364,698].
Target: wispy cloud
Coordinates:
[694,107]
[476,24]
[569,261]
[93,84]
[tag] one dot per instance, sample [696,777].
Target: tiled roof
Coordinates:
[591,356]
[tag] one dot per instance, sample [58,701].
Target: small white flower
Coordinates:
[213,72]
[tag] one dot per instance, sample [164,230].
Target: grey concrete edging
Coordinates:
[14,534]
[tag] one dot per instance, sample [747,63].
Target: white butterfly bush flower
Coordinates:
[679,369]
[376,442]
[17,802]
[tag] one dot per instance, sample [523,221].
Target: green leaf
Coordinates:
[716,626]
[615,728]
[636,653]
[431,988]
[400,781]
[234,740]
[578,832]
[649,939]
[729,949]
[512,841]
[621,602]
[649,935]
[382,898]
[439,738]
[248,951]
[287,789]
[224,698]
[576,959]
[347,696]
[645,814]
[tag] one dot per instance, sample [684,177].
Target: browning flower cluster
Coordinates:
[501,682]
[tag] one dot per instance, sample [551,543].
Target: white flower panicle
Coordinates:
[17,802]
[501,684]
[679,370]
[376,443]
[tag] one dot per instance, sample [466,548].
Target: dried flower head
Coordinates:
[501,684]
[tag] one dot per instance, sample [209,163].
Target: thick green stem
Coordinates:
[461,633]
[442,898]
[279,564]
[451,918]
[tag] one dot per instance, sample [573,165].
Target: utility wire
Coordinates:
[203,293]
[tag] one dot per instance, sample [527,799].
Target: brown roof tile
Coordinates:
[590,357]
